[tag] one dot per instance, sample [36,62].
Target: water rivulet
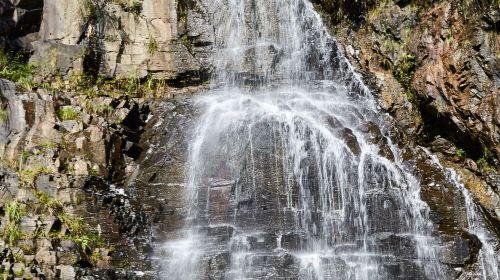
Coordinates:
[291,174]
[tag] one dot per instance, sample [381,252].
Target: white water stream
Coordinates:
[291,174]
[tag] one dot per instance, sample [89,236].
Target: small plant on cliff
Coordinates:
[152,45]
[12,233]
[15,211]
[67,113]
[90,10]
[28,176]
[460,153]
[404,71]
[101,109]
[48,203]
[134,7]
[15,69]
[74,224]
[186,42]
[4,115]
[18,257]
[26,83]
[79,233]
[130,85]
[48,146]
[483,161]
[154,86]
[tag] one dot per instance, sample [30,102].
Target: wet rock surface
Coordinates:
[433,68]
[418,83]
[123,170]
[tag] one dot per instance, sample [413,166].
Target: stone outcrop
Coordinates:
[434,69]
[59,168]
[119,162]
[457,82]
[162,39]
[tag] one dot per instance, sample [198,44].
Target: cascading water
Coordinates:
[291,174]
[488,266]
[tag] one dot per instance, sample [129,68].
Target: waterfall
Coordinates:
[489,262]
[488,265]
[291,173]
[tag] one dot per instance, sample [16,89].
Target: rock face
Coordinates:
[163,39]
[64,170]
[457,83]
[435,71]
[119,164]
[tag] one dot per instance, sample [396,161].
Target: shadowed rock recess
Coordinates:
[249,139]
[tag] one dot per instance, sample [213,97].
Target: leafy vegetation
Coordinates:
[79,234]
[130,85]
[186,42]
[152,45]
[101,109]
[49,146]
[12,233]
[18,257]
[134,7]
[483,161]
[352,12]
[15,211]
[15,68]
[67,113]
[48,204]
[90,10]
[27,176]
[460,153]
[403,71]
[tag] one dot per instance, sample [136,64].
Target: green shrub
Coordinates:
[152,45]
[403,71]
[75,225]
[90,10]
[135,8]
[67,113]
[48,203]
[15,211]
[18,257]
[28,176]
[483,161]
[460,153]
[12,233]
[15,69]
[186,42]
[79,233]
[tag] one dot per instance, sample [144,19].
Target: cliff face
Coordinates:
[117,161]
[435,69]
[111,38]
